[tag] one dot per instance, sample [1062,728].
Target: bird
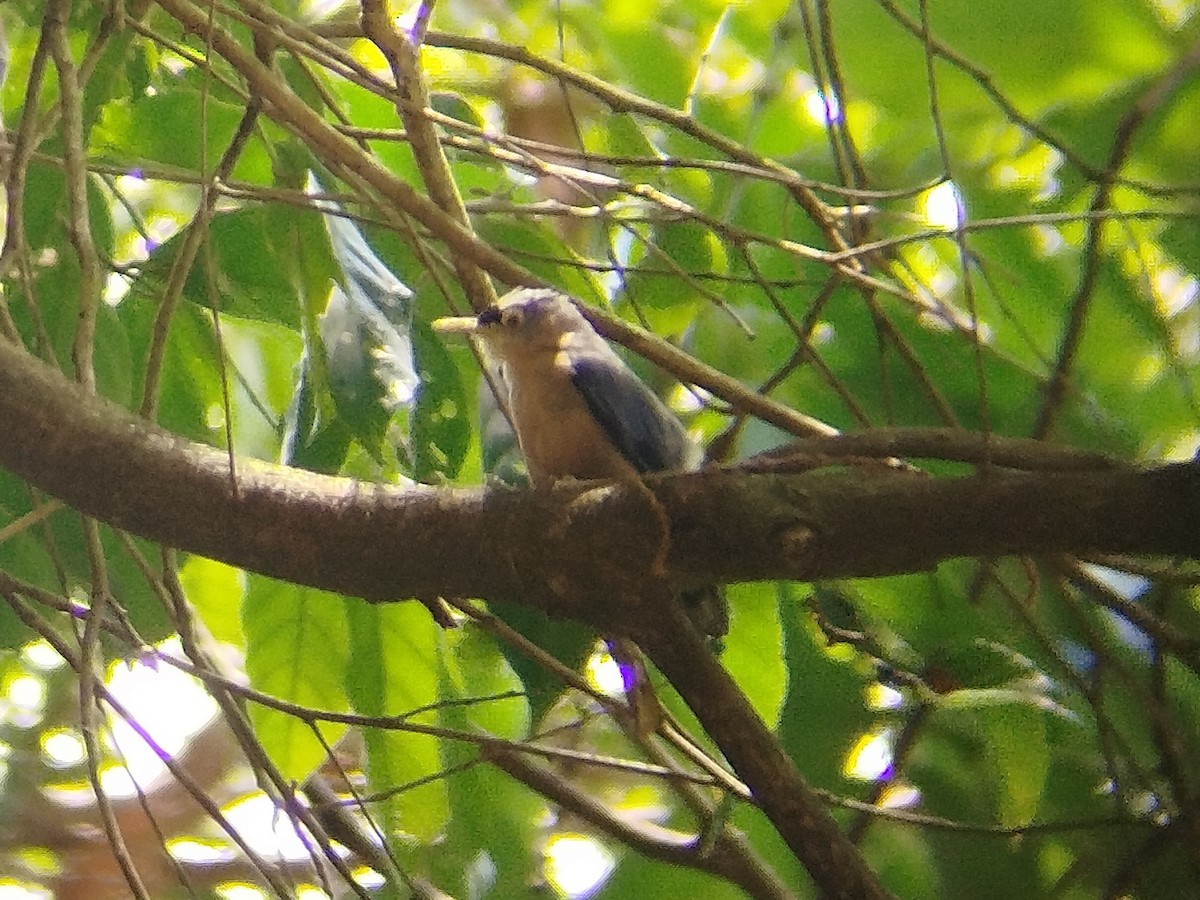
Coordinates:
[578,410]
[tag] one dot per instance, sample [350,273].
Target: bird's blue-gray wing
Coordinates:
[640,426]
[649,436]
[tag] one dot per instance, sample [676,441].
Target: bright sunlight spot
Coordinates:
[1174,289]
[26,692]
[42,656]
[319,10]
[366,877]
[197,851]
[16,890]
[687,399]
[822,108]
[239,890]
[268,833]
[63,747]
[75,794]
[1174,12]
[1185,446]
[1125,584]
[899,796]
[576,865]
[1034,171]
[884,696]
[942,206]
[27,696]
[871,757]
[116,287]
[170,705]
[604,673]
[1048,240]
[117,781]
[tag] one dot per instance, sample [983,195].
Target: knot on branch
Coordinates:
[607,576]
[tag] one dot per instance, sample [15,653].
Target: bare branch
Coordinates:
[726,526]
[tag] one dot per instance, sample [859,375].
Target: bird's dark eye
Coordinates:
[490,316]
[511,316]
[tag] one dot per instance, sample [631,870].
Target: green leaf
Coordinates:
[539,249]
[1011,729]
[393,670]
[473,667]
[146,128]
[825,709]
[216,590]
[636,876]
[247,251]
[567,641]
[754,648]
[493,825]
[455,106]
[363,360]
[490,812]
[55,556]
[926,610]
[659,285]
[627,137]
[297,649]
[441,422]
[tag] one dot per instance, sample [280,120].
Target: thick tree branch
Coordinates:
[779,789]
[564,548]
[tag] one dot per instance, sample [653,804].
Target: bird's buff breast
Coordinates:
[559,437]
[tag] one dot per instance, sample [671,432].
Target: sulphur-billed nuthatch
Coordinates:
[578,410]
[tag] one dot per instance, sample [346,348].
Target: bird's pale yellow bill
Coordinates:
[455,325]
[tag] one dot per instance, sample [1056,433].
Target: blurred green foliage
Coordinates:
[1047,741]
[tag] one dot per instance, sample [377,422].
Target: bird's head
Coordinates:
[523,321]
